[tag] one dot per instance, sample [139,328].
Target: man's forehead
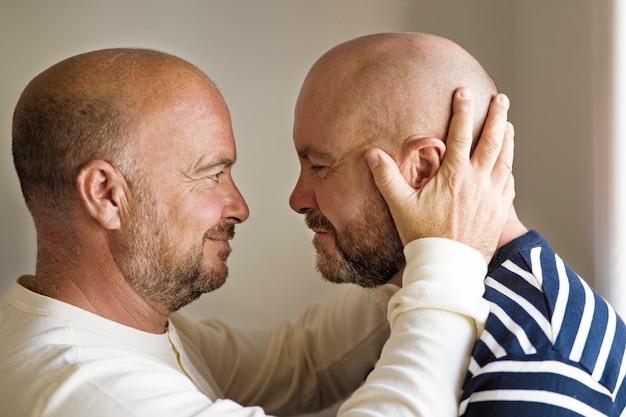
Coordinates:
[217,149]
[325,133]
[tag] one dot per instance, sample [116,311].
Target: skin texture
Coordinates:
[152,202]
[389,91]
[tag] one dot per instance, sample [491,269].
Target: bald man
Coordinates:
[551,345]
[124,157]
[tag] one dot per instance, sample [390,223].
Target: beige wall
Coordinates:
[553,89]
[540,52]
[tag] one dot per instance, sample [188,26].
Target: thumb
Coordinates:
[390,182]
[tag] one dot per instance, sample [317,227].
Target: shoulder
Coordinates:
[548,330]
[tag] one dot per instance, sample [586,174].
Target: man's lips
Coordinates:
[221,243]
[221,238]
[321,235]
[319,225]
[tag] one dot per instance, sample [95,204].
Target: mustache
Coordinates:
[314,219]
[223,231]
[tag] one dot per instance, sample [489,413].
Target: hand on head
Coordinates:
[470,197]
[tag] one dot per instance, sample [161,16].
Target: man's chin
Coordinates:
[332,270]
[340,271]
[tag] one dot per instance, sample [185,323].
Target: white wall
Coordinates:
[540,52]
[568,60]
[553,100]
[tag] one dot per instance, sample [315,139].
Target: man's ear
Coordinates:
[102,189]
[420,159]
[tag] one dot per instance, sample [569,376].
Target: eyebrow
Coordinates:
[200,167]
[308,152]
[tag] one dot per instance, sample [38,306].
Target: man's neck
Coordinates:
[397,278]
[108,295]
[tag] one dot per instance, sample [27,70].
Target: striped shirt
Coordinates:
[551,345]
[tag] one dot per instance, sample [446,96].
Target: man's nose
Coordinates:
[302,198]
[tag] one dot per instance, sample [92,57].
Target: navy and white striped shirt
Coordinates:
[551,345]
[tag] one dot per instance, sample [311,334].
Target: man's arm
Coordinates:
[301,366]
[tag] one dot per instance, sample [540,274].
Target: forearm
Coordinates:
[306,365]
[434,321]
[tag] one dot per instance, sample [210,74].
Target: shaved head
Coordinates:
[394,85]
[88,107]
[387,91]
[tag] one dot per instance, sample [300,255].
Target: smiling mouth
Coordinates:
[219,240]
[223,232]
[220,237]
[219,244]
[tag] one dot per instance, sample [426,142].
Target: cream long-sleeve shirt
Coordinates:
[59,360]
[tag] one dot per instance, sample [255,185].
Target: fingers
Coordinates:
[503,170]
[489,147]
[392,185]
[505,159]
[459,140]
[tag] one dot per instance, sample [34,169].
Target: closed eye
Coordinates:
[322,171]
[216,177]
[309,157]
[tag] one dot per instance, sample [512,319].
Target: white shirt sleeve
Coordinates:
[435,319]
[296,367]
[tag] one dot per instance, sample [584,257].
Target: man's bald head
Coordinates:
[395,85]
[88,107]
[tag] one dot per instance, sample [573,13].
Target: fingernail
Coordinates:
[504,100]
[372,160]
[465,93]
